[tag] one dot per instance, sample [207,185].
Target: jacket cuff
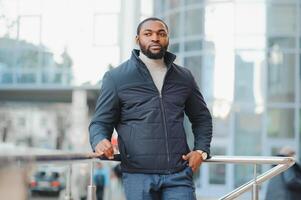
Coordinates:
[97,139]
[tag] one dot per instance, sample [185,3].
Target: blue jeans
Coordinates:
[177,186]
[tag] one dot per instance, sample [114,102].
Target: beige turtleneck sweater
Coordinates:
[157,69]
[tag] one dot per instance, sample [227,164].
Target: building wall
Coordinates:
[245,56]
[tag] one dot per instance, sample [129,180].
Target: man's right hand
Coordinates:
[104,148]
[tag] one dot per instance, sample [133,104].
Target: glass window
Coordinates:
[202,68]
[244,173]
[248,133]
[280,123]
[281,70]
[217,172]
[247,143]
[190,2]
[282,42]
[249,74]
[105,29]
[194,22]
[26,77]
[194,45]
[194,64]
[281,19]
[174,48]
[174,25]
[173,4]
[221,126]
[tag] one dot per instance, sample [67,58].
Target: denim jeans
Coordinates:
[176,186]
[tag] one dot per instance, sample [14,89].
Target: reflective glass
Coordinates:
[202,68]
[247,143]
[248,127]
[194,45]
[217,172]
[174,22]
[173,4]
[249,76]
[282,42]
[221,126]
[282,19]
[281,82]
[174,47]
[194,22]
[280,123]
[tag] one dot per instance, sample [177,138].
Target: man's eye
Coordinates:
[163,34]
[147,34]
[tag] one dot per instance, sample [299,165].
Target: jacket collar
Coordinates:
[168,57]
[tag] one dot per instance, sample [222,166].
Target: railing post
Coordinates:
[91,188]
[255,195]
[68,195]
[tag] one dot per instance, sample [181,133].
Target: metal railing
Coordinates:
[282,164]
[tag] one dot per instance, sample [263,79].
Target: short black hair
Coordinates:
[150,19]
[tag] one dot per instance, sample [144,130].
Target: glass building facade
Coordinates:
[245,56]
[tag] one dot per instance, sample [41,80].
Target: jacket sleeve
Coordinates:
[200,118]
[106,112]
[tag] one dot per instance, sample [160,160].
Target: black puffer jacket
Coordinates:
[150,129]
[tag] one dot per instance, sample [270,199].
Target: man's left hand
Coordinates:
[194,160]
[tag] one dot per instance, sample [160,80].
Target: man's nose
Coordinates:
[155,37]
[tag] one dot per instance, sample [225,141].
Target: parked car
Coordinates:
[49,179]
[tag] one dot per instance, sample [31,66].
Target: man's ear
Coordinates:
[137,39]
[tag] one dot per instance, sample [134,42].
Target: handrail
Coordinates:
[283,163]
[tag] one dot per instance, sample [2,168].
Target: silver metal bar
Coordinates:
[73,157]
[283,164]
[255,194]
[68,195]
[263,177]
[91,195]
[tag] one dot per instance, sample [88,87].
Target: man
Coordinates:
[145,99]
[287,185]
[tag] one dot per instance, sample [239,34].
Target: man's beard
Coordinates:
[147,52]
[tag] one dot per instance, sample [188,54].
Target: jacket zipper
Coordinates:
[162,111]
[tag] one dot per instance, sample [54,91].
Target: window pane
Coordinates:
[173,4]
[174,24]
[247,133]
[281,84]
[193,24]
[282,19]
[190,2]
[174,48]
[249,74]
[280,123]
[202,68]
[217,172]
[193,45]
[282,42]
[221,127]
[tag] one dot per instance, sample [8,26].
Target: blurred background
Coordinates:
[244,54]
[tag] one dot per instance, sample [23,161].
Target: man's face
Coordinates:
[153,39]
